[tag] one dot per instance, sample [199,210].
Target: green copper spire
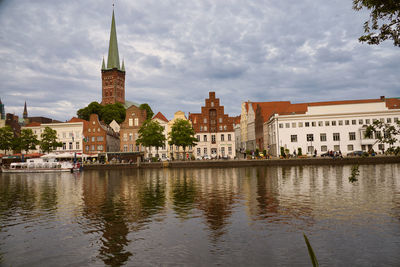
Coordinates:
[103,65]
[123,65]
[113,57]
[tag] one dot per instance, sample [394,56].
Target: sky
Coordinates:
[176,51]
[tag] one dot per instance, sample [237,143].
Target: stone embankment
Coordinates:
[248,163]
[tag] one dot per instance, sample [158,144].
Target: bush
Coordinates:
[257,152]
[364,155]
[248,152]
[265,152]
[299,153]
[283,152]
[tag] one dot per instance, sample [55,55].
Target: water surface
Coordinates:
[202,217]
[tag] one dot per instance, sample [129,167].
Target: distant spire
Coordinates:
[25,114]
[123,65]
[103,65]
[0,101]
[113,56]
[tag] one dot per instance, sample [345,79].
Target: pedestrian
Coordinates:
[294,153]
[315,153]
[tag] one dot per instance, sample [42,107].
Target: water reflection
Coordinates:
[136,217]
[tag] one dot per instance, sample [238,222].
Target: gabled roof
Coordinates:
[160,116]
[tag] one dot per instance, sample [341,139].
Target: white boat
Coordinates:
[40,165]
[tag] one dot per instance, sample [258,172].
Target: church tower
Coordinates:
[113,75]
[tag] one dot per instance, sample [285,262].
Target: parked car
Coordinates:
[326,154]
[214,156]
[164,159]
[355,153]
[206,157]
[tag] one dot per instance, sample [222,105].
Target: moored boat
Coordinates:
[40,165]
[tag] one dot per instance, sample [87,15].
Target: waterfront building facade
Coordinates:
[214,130]
[129,129]
[329,126]
[162,151]
[99,137]
[175,151]
[236,128]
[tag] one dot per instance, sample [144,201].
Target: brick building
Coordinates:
[214,130]
[99,137]
[113,75]
[129,129]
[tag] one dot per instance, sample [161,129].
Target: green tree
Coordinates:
[383,23]
[28,140]
[182,134]
[149,112]
[151,134]
[49,140]
[6,138]
[384,133]
[106,113]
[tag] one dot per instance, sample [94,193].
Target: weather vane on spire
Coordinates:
[113,3]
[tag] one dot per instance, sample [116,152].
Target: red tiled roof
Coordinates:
[160,116]
[237,119]
[33,124]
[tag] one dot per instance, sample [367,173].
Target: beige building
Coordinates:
[129,129]
[175,151]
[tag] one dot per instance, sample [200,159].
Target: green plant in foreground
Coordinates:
[354,173]
[311,252]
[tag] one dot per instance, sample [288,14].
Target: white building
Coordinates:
[162,151]
[325,126]
[68,133]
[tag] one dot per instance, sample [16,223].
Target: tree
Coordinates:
[151,134]
[149,112]
[28,140]
[106,113]
[182,134]
[384,22]
[384,133]
[6,138]
[49,140]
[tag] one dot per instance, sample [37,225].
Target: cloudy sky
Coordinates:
[176,51]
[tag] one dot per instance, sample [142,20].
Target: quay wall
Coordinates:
[247,163]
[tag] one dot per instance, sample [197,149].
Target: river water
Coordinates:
[202,217]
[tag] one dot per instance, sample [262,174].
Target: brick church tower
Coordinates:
[113,76]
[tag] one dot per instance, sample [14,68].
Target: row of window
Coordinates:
[92,148]
[93,130]
[211,121]
[133,122]
[131,147]
[334,123]
[205,151]
[70,146]
[213,138]
[204,128]
[350,147]
[322,137]
[125,136]
[94,139]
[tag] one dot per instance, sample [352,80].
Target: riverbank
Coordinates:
[248,163]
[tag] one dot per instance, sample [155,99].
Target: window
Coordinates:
[198,151]
[65,135]
[381,147]
[222,137]
[70,145]
[313,124]
[389,120]
[100,147]
[340,123]
[336,147]
[130,122]
[382,119]
[205,128]
[136,136]
[336,136]
[396,119]
[229,137]
[130,147]
[212,103]
[347,122]
[220,127]
[213,138]
[205,151]
[125,137]
[230,150]
[87,148]
[71,134]
[378,135]
[324,148]
[320,123]
[310,149]
[300,124]
[205,120]
[353,122]
[125,148]
[64,146]
[136,122]
[94,130]
[88,131]
[326,123]
[224,127]
[367,121]
[198,138]
[307,124]
[94,124]
[363,147]
[93,138]
[220,120]
[293,138]
[205,138]
[287,125]
[352,136]
[322,137]
[77,145]
[361,121]
[333,123]
[92,147]
[350,147]
[130,137]
[310,137]
[100,138]
[293,125]
[201,128]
